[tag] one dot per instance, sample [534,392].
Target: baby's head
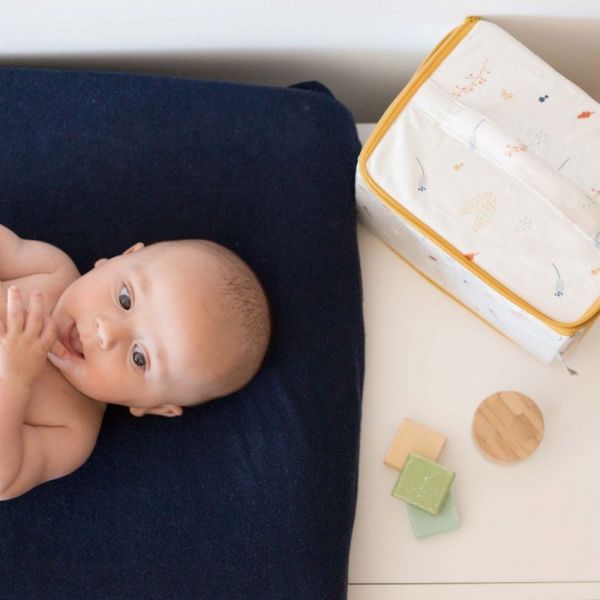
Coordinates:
[163,326]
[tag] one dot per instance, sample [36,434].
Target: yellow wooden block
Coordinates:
[412,437]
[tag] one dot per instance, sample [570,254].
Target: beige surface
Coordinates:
[469,591]
[429,359]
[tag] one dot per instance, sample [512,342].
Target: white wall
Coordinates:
[364,50]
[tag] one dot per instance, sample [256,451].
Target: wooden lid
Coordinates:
[508,427]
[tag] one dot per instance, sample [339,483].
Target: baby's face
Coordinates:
[146,326]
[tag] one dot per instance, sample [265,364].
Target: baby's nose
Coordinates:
[108,333]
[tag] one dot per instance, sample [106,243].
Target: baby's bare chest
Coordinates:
[54,401]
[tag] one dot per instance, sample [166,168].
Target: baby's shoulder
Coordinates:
[65,273]
[50,281]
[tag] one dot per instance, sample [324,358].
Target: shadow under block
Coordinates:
[413,437]
[425,524]
[423,483]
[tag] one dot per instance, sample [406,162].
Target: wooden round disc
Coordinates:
[508,427]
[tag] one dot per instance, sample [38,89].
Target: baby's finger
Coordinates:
[14,312]
[50,333]
[35,315]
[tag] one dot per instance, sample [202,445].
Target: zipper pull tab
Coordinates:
[571,371]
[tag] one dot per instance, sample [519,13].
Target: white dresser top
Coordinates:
[429,359]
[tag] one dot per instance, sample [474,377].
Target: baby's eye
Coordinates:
[139,359]
[125,295]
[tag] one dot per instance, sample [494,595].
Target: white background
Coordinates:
[363,50]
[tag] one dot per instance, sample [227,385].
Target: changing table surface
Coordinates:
[528,530]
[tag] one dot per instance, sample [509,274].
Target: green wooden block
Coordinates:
[425,524]
[423,483]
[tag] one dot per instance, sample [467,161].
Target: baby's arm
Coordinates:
[20,258]
[30,455]
[45,453]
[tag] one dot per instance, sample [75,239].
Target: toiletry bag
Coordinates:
[484,175]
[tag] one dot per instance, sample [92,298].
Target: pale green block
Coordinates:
[425,524]
[423,483]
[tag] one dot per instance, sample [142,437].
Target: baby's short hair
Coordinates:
[246,307]
[243,308]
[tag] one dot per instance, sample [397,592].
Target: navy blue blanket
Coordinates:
[251,496]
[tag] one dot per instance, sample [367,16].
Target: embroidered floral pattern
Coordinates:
[514,149]
[422,186]
[538,140]
[476,80]
[524,224]
[559,286]
[483,206]
[591,200]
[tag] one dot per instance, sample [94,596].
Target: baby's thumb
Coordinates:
[59,355]
[56,360]
[58,350]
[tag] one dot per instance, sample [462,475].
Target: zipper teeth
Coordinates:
[430,63]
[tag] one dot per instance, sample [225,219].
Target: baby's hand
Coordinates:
[25,338]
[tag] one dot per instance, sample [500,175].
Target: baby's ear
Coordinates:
[134,248]
[100,261]
[164,410]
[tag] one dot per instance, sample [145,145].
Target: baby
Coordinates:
[156,329]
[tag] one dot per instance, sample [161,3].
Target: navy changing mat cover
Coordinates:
[251,496]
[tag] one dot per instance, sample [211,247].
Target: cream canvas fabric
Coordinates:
[499,155]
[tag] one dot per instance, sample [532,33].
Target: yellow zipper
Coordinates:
[427,67]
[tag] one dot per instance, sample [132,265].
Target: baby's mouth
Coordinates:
[72,342]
